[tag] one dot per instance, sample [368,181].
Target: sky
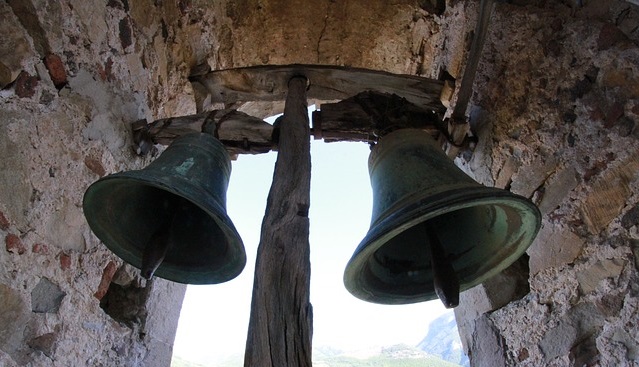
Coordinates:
[214,318]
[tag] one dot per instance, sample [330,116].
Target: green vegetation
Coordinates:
[382,361]
[338,361]
[180,362]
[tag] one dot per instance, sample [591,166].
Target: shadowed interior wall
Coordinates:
[555,109]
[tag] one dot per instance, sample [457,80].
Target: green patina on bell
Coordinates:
[169,218]
[427,213]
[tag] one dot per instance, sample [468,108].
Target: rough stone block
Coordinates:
[509,285]
[14,47]
[554,246]
[574,335]
[45,343]
[26,12]
[125,304]
[625,80]
[4,222]
[163,306]
[13,169]
[46,297]
[506,173]
[604,204]
[14,244]
[14,316]
[64,227]
[489,348]
[609,194]
[472,303]
[127,275]
[609,36]
[590,277]
[630,219]
[529,177]
[634,244]
[6,360]
[505,287]
[557,188]
[632,347]
[610,304]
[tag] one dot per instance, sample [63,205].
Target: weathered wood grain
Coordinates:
[239,132]
[468,79]
[269,83]
[370,115]
[280,326]
[362,118]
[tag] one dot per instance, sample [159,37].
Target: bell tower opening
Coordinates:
[214,319]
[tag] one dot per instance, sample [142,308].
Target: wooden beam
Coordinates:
[239,132]
[370,115]
[468,79]
[327,82]
[280,326]
[458,124]
[362,118]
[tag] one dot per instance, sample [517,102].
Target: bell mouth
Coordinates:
[185,185]
[482,231]
[206,249]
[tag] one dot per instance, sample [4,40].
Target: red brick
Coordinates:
[26,85]
[106,72]
[14,244]
[40,248]
[65,261]
[95,166]
[55,66]
[105,282]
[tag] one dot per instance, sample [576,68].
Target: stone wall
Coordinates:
[556,107]
[555,110]
[74,75]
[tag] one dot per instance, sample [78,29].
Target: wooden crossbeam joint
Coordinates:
[365,117]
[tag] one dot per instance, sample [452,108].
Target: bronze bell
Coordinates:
[170,217]
[434,230]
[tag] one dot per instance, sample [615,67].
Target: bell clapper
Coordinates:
[155,251]
[159,243]
[445,279]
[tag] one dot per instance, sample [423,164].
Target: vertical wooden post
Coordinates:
[280,327]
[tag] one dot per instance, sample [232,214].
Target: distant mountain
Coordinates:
[400,355]
[440,348]
[442,340]
[181,362]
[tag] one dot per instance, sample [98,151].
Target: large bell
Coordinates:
[169,219]
[434,230]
